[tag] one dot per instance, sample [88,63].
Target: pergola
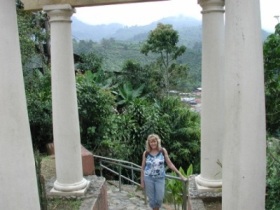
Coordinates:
[233,129]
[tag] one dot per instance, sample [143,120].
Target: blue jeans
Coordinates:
[154,188]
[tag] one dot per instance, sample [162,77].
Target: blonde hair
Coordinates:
[153,137]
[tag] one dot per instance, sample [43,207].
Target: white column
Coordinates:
[244,152]
[212,114]
[64,103]
[18,180]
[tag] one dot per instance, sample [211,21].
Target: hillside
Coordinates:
[189,29]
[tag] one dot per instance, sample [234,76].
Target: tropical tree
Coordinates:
[163,41]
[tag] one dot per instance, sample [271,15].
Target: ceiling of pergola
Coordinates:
[38,4]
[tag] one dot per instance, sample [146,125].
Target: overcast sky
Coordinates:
[145,13]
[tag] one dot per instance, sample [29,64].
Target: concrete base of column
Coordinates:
[70,189]
[205,185]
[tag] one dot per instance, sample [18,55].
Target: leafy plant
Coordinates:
[175,188]
[126,95]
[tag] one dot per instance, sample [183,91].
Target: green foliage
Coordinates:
[272,95]
[163,42]
[193,58]
[38,95]
[145,119]
[148,77]
[96,106]
[273,174]
[127,95]
[183,141]
[125,61]
[34,39]
[174,188]
[272,81]
[134,73]
[177,126]
[27,45]
[90,62]
[83,46]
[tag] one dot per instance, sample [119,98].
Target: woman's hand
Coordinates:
[184,178]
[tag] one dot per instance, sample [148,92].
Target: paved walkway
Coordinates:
[130,198]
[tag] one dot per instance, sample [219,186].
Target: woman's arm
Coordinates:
[142,169]
[170,164]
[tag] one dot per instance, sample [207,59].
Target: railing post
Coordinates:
[132,172]
[101,169]
[185,195]
[120,178]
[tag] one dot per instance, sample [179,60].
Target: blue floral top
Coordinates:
[155,165]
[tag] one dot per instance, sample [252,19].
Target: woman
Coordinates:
[153,171]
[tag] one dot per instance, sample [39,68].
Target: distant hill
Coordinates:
[83,31]
[189,30]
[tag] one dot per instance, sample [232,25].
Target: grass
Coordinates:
[60,204]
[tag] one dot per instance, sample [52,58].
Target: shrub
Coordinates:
[38,95]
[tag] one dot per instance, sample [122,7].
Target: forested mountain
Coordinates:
[188,28]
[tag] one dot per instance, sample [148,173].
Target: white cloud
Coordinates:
[145,13]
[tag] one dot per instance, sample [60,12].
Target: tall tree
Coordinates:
[163,41]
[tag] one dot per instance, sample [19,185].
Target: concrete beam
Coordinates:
[38,4]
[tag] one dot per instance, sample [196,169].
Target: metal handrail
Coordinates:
[134,167]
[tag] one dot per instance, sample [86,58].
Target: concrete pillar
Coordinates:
[212,114]
[244,152]
[64,103]
[17,166]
